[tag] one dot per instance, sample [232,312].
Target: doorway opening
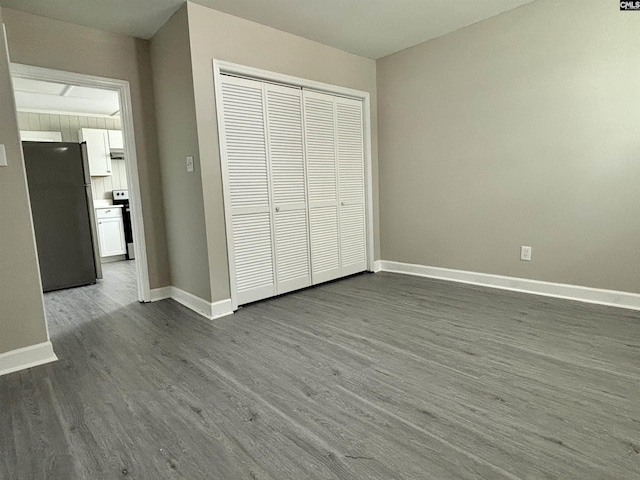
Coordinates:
[90,121]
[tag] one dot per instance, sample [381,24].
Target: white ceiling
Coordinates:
[371,28]
[34,95]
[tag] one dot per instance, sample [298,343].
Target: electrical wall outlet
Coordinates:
[525,253]
[190,166]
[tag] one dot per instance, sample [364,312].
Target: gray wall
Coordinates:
[43,42]
[216,35]
[177,139]
[22,321]
[68,126]
[519,130]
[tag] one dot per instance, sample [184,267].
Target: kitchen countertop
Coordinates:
[101,207]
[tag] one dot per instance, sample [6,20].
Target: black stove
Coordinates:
[121,197]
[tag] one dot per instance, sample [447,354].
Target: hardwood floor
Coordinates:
[374,377]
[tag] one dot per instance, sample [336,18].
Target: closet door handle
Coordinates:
[277,209]
[342,204]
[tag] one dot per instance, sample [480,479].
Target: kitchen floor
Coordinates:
[119,281]
[372,377]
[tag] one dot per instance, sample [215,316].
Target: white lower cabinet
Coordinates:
[110,231]
[294,177]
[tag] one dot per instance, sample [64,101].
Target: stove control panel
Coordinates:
[121,194]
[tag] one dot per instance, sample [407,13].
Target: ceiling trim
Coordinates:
[60,112]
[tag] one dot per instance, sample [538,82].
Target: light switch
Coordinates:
[189,164]
[3,156]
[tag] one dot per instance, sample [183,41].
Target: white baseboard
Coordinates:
[221,308]
[377,266]
[558,290]
[113,258]
[189,300]
[158,294]
[206,309]
[26,357]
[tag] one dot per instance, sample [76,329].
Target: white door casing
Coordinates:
[126,109]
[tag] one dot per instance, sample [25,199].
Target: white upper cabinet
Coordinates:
[100,142]
[37,136]
[115,139]
[97,151]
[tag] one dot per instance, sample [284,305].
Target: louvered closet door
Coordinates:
[288,187]
[322,181]
[351,174]
[248,189]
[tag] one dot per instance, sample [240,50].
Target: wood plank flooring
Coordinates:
[374,377]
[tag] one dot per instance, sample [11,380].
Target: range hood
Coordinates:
[117,153]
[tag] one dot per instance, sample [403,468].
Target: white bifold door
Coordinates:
[293,164]
[335,165]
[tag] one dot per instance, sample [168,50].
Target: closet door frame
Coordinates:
[222,67]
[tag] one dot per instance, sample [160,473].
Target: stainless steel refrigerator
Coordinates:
[62,209]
